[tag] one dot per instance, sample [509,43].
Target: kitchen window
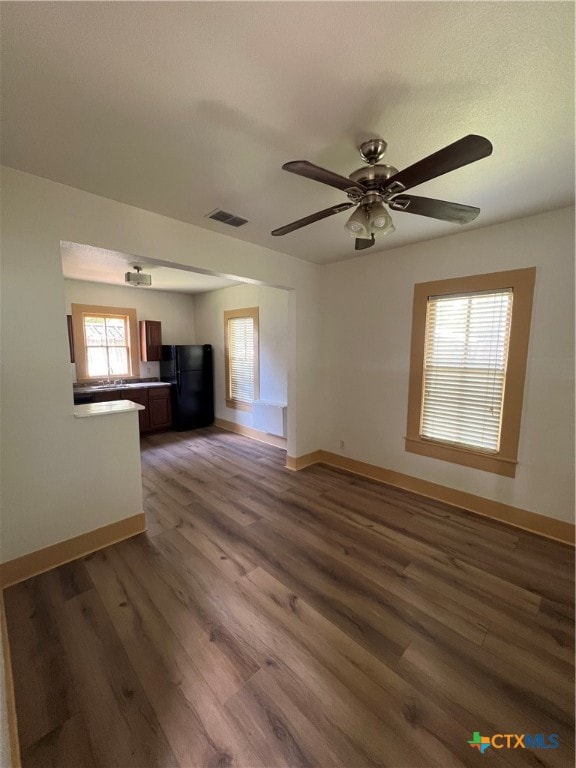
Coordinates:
[105,342]
[241,357]
[468,362]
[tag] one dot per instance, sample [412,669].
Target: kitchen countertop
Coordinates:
[89,388]
[105,409]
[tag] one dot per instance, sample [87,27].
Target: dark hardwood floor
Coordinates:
[271,618]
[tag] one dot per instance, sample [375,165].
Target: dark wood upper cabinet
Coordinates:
[70,338]
[150,340]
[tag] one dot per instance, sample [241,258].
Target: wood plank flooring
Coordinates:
[271,618]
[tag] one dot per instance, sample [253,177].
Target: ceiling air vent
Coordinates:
[226,218]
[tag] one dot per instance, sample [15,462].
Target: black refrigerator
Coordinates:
[188,367]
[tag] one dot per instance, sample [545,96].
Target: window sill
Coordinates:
[498,465]
[238,406]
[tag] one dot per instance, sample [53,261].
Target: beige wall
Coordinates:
[367,312]
[273,342]
[63,476]
[348,343]
[174,310]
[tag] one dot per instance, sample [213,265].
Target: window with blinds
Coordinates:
[465,360]
[241,328]
[468,360]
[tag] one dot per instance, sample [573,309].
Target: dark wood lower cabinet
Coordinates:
[159,410]
[139,396]
[157,413]
[105,397]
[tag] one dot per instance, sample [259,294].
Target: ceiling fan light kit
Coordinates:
[381,222]
[358,224]
[369,219]
[379,219]
[378,185]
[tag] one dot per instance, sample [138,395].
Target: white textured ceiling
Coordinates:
[98,265]
[181,108]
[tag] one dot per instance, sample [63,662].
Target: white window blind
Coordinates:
[241,359]
[465,359]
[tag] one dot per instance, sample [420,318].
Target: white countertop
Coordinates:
[105,409]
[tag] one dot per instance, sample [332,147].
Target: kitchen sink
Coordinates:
[112,386]
[105,387]
[137,385]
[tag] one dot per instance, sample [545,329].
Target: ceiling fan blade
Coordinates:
[312,218]
[314,172]
[362,243]
[435,209]
[462,152]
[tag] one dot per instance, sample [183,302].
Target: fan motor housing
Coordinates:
[373,176]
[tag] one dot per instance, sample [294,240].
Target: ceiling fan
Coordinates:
[369,189]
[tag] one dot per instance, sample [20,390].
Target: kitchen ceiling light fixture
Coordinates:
[138,278]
